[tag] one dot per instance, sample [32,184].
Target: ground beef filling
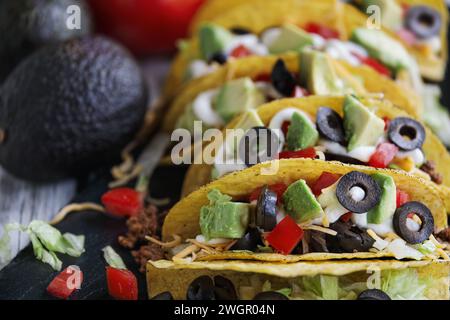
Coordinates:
[430,168]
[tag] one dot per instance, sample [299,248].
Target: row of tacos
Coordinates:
[326,169]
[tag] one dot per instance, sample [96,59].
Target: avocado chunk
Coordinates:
[223,218]
[318,75]
[213,39]
[27,26]
[301,132]
[70,107]
[300,202]
[391,12]
[291,38]
[388,203]
[237,96]
[383,48]
[362,127]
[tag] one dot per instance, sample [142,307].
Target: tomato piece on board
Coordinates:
[122,284]
[65,283]
[123,202]
[325,180]
[285,236]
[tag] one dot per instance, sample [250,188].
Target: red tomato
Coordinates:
[374,64]
[325,180]
[145,26]
[285,236]
[321,30]
[346,217]
[278,188]
[305,153]
[263,77]
[240,52]
[285,127]
[122,202]
[402,197]
[384,154]
[61,286]
[122,284]
[387,121]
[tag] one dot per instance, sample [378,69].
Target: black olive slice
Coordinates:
[224,289]
[202,288]
[249,241]
[372,192]
[259,144]
[266,209]
[373,294]
[163,296]
[270,295]
[423,21]
[406,133]
[341,158]
[349,238]
[240,31]
[219,57]
[283,81]
[330,125]
[422,211]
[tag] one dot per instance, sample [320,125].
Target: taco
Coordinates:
[272,27]
[347,280]
[327,128]
[420,25]
[247,83]
[302,209]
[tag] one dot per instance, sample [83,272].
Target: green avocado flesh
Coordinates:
[237,96]
[213,39]
[318,75]
[291,38]
[382,47]
[223,218]
[362,127]
[301,133]
[300,202]
[388,202]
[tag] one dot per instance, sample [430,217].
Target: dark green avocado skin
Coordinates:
[70,107]
[26,25]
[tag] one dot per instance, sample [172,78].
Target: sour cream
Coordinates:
[199,68]
[200,238]
[250,41]
[270,35]
[203,109]
[416,155]
[362,153]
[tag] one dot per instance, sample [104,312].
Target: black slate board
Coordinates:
[27,278]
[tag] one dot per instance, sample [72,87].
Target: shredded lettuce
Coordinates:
[46,241]
[404,284]
[113,259]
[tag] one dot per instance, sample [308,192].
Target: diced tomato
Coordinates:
[285,236]
[285,127]
[402,197]
[263,77]
[240,51]
[62,286]
[346,217]
[383,155]
[123,202]
[407,36]
[122,284]
[299,92]
[387,121]
[305,153]
[278,188]
[325,180]
[374,64]
[321,30]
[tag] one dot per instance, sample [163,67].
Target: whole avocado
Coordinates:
[26,25]
[69,107]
